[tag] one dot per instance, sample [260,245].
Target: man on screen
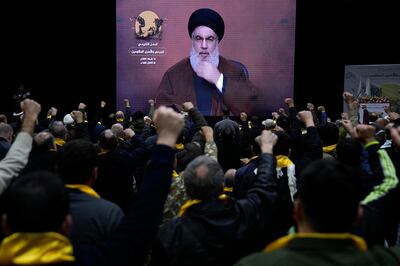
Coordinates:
[210,81]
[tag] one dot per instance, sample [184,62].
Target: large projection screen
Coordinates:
[258,34]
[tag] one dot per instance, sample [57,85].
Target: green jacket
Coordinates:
[324,252]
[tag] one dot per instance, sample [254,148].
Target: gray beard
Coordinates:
[195,59]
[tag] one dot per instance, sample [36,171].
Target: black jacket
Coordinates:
[215,232]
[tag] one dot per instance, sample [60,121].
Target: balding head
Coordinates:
[108,140]
[204,178]
[44,141]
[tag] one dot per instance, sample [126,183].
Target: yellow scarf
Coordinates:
[283,241]
[179,146]
[35,249]
[283,161]
[60,142]
[228,189]
[190,203]
[120,120]
[103,151]
[84,188]
[252,159]
[186,206]
[329,148]
[174,174]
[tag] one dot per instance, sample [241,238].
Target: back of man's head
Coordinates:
[76,161]
[43,141]
[204,178]
[282,146]
[329,134]
[330,194]
[58,130]
[349,151]
[3,119]
[36,202]
[6,131]
[108,140]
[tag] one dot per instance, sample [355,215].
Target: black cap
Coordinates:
[209,18]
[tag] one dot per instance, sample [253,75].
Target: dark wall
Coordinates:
[65,51]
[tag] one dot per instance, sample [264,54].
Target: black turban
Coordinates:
[209,18]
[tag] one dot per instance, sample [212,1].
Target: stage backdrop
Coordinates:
[152,35]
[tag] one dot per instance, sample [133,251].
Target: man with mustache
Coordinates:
[208,80]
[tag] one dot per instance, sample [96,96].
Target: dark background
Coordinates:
[64,51]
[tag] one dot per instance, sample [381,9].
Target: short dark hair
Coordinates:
[329,134]
[282,146]
[349,151]
[283,122]
[205,185]
[76,161]
[330,194]
[36,202]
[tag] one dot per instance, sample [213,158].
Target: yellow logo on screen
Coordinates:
[148,25]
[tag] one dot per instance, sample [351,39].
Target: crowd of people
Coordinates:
[165,187]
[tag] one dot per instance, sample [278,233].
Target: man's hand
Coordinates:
[208,71]
[31,111]
[393,116]
[321,108]
[151,102]
[306,117]
[81,106]
[366,133]
[281,111]
[147,120]
[126,103]
[348,97]
[310,106]
[345,116]
[102,104]
[349,128]
[169,125]
[208,133]
[187,106]
[77,116]
[243,117]
[289,102]
[275,115]
[267,140]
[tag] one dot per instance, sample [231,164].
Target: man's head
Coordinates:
[6,132]
[118,130]
[44,141]
[206,29]
[329,134]
[328,197]
[76,162]
[108,140]
[204,179]
[58,130]
[36,202]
